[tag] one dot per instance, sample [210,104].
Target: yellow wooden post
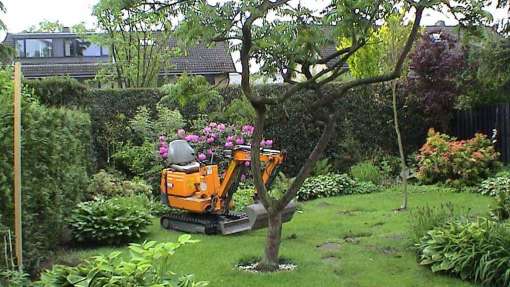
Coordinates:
[17,165]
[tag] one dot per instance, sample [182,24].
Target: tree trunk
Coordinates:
[404,170]
[270,261]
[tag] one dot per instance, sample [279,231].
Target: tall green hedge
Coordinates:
[59,91]
[365,124]
[55,158]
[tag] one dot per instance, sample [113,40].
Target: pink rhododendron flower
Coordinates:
[248,129]
[230,138]
[262,143]
[210,140]
[229,144]
[213,125]
[207,130]
[247,163]
[239,141]
[269,143]
[201,156]
[243,177]
[209,151]
[221,127]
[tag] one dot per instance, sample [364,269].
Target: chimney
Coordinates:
[66,29]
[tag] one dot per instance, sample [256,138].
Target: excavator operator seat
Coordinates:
[182,157]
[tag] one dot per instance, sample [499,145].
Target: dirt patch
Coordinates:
[329,246]
[355,238]
[388,250]
[251,264]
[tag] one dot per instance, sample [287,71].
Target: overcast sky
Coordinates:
[23,13]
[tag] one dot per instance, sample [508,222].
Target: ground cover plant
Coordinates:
[476,250]
[108,221]
[148,265]
[352,240]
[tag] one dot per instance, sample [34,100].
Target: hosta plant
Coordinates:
[473,250]
[108,221]
[148,265]
[495,185]
[457,162]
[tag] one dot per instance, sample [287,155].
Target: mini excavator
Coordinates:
[204,199]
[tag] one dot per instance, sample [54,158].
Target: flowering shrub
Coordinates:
[211,141]
[457,162]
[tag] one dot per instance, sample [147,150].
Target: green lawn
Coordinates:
[379,254]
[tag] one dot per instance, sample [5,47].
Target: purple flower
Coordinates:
[213,125]
[194,138]
[181,133]
[248,129]
[209,151]
[230,138]
[210,140]
[201,156]
[262,143]
[229,144]
[269,143]
[207,130]
[239,141]
[243,177]
[247,163]
[188,138]
[221,127]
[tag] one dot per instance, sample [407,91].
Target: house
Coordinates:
[66,54]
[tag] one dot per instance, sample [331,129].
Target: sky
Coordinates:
[23,13]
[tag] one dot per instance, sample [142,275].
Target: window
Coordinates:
[20,48]
[79,48]
[38,48]
[92,50]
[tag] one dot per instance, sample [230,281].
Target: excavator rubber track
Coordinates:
[206,223]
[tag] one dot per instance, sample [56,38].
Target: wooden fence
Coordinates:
[486,120]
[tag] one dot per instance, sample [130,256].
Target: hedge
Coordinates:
[55,157]
[364,125]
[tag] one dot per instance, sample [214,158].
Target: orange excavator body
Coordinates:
[204,192]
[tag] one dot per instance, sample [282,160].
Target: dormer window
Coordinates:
[34,48]
[78,48]
[38,48]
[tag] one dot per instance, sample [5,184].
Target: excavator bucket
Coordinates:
[257,214]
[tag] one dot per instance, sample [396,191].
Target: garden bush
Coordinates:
[59,91]
[473,250]
[107,185]
[501,209]
[55,157]
[148,265]
[109,221]
[333,185]
[243,197]
[456,162]
[367,172]
[326,186]
[495,185]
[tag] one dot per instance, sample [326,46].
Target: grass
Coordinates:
[368,245]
